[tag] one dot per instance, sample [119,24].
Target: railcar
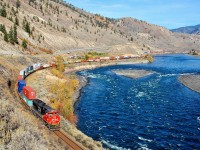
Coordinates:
[48,114]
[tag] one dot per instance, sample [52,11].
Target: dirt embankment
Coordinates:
[191,81]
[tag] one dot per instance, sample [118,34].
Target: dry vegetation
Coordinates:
[40,22]
[62,101]
[19,129]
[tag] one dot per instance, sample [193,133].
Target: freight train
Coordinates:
[28,96]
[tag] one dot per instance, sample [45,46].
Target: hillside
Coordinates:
[47,27]
[188,30]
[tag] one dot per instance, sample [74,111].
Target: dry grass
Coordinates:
[19,129]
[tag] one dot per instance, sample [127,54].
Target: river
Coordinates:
[152,112]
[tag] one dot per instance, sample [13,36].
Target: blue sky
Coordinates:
[168,13]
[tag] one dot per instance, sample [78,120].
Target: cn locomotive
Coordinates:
[47,114]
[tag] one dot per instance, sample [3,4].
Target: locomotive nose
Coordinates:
[55,119]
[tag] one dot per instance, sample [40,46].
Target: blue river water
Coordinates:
[153,112]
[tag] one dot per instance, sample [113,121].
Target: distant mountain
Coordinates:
[188,29]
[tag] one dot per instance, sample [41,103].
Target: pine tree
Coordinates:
[3,12]
[6,36]
[24,44]
[10,36]
[16,21]
[15,34]
[18,4]
[131,38]
[27,28]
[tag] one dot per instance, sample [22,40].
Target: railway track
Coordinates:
[73,145]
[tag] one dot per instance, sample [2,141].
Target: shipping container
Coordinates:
[83,60]
[112,58]
[90,60]
[21,85]
[29,92]
[26,71]
[97,60]
[28,101]
[19,77]
[46,65]
[53,64]
[30,69]
[36,66]
[104,58]
[23,73]
[117,57]
[126,57]
[121,57]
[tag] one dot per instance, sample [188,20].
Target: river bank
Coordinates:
[87,66]
[191,81]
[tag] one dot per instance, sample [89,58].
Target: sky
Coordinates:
[168,13]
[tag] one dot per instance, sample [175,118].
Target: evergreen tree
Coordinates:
[24,44]
[18,4]
[24,23]
[131,38]
[10,36]
[3,12]
[15,34]
[2,28]
[6,36]
[16,21]
[27,28]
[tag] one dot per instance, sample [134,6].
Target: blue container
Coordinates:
[21,84]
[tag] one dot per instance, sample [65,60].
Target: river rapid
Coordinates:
[152,112]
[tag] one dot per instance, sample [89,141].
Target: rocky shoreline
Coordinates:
[191,81]
[133,73]
[82,83]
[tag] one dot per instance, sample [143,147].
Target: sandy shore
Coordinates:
[191,81]
[133,73]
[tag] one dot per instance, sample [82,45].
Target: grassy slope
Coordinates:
[18,128]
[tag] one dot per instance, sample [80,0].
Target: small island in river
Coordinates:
[133,73]
[191,81]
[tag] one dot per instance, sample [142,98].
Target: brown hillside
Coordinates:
[60,26]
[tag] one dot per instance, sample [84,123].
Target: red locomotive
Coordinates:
[48,114]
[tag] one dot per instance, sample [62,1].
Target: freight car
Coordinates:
[47,114]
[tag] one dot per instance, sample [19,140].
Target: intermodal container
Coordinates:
[36,66]
[112,58]
[21,85]
[19,77]
[29,92]
[23,73]
[30,68]
[46,65]
[28,101]
[121,57]
[53,65]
